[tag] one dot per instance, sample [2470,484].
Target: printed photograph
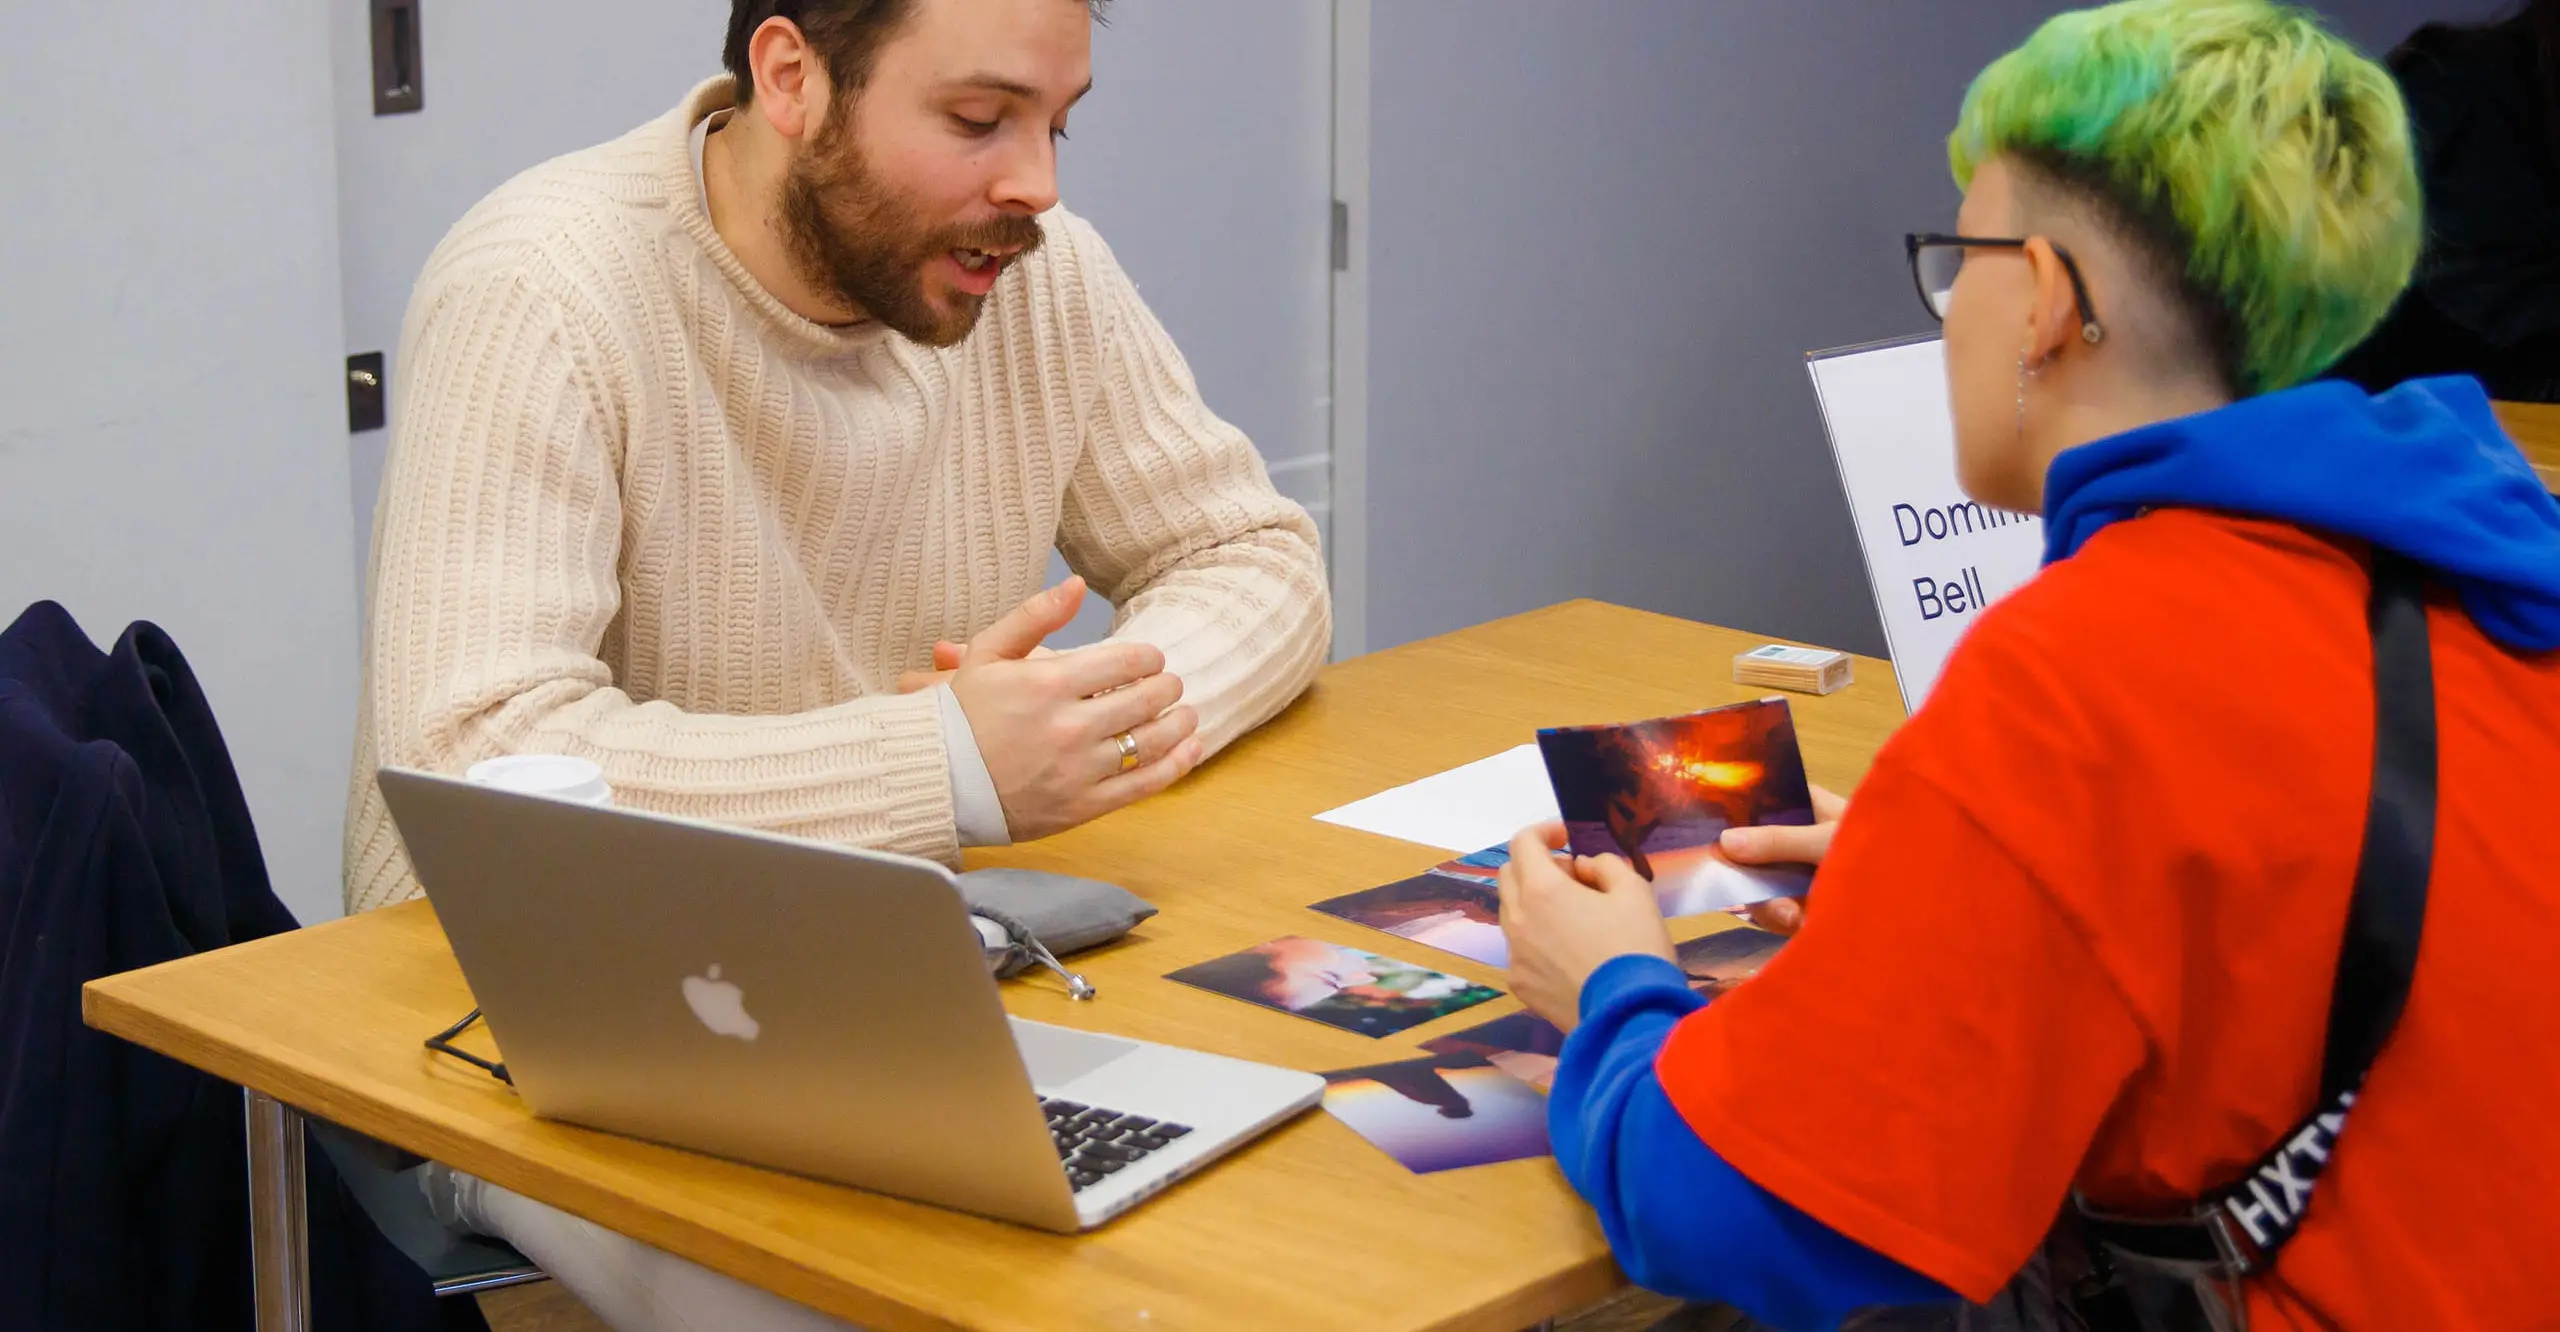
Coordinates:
[1527,1046]
[1717,962]
[1443,911]
[1349,988]
[1441,1113]
[1523,1045]
[1660,793]
[1482,867]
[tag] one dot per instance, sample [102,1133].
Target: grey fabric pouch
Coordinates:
[1048,916]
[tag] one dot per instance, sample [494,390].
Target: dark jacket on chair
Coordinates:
[2484,105]
[124,842]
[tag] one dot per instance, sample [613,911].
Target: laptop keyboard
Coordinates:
[1095,1144]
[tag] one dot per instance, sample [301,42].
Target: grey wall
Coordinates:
[1202,155]
[1604,235]
[507,85]
[1221,219]
[172,433]
[1204,158]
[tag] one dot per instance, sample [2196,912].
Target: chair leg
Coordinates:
[279,1233]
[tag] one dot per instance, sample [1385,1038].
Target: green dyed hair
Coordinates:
[2263,161]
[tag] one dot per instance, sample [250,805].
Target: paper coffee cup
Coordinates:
[555,775]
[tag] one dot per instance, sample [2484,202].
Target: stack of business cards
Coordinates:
[1805,670]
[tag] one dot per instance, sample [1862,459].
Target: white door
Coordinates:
[172,428]
[1202,156]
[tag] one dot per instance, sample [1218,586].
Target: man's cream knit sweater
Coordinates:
[637,510]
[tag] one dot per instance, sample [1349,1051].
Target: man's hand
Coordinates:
[1780,845]
[1564,918]
[946,663]
[1048,726]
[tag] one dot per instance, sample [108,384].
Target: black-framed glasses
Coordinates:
[442,1043]
[1936,259]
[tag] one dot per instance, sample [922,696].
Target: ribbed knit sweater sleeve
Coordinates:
[1236,599]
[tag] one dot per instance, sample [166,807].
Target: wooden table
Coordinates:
[1310,1227]
[2535,427]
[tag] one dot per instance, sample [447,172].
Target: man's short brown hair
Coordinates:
[847,34]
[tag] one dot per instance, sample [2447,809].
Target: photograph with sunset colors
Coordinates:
[1716,963]
[1660,793]
[1445,1112]
[1523,1044]
[1455,907]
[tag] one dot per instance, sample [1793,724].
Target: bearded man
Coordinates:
[730,455]
[717,443]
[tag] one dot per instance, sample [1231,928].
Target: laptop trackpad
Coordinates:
[1057,1056]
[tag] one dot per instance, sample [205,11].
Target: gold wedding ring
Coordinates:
[1128,750]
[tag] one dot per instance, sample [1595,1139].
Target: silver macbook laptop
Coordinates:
[806,1007]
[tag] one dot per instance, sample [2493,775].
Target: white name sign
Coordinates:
[1935,557]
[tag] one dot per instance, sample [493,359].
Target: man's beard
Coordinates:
[866,245]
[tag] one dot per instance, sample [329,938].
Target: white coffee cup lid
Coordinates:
[559,776]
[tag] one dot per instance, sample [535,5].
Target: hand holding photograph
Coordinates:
[1661,793]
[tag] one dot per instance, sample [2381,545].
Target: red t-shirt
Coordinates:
[2079,928]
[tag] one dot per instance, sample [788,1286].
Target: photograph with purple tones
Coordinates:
[1482,866]
[1454,915]
[1660,793]
[1440,1113]
[1523,1045]
[1527,1046]
[1717,962]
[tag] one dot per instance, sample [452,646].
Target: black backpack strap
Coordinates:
[2243,1224]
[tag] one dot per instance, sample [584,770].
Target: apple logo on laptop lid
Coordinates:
[720,1004]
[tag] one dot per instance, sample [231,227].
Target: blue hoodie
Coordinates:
[2423,469]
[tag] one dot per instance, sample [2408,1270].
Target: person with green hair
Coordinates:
[2127,919]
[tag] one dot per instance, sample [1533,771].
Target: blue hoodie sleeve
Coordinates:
[1679,1219]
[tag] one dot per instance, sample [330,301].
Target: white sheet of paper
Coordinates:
[1464,809]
